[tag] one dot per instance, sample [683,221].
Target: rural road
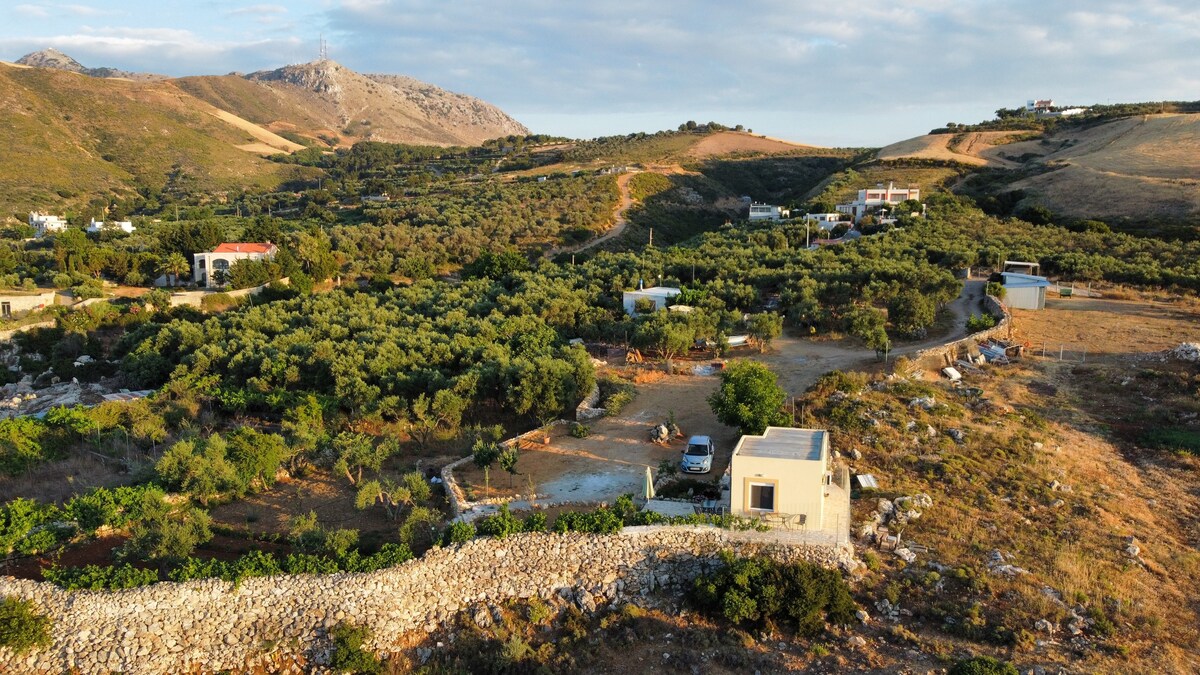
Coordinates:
[800,362]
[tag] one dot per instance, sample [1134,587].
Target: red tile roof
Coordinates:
[244,248]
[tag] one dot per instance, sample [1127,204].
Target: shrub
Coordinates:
[349,656]
[458,533]
[978,322]
[995,288]
[580,430]
[99,578]
[535,522]
[983,665]
[500,525]
[760,590]
[21,627]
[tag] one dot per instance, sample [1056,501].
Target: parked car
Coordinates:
[698,455]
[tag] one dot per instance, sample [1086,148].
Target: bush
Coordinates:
[978,322]
[500,525]
[458,533]
[760,590]
[21,627]
[580,430]
[995,288]
[983,665]
[349,656]
[99,578]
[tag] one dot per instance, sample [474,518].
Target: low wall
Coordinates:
[944,355]
[458,498]
[587,410]
[8,334]
[194,298]
[211,625]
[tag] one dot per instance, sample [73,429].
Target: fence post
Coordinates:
[1060,352]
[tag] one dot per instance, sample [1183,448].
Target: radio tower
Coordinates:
[323,53]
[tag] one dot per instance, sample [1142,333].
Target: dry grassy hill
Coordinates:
[326,101]
[1137,170]
[71,138]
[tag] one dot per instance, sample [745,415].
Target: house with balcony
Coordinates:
[879,197]
[211,267]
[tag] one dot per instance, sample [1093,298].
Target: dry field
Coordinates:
[735,142]
[973,148]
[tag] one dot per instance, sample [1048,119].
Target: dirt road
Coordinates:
[619,221]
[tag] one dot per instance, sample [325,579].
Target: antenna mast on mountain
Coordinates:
[323,54]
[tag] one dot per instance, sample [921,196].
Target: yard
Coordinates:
[612,459]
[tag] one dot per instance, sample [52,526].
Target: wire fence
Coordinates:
[1074,352]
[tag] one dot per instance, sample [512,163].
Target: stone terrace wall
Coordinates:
[945,355]
[210,625]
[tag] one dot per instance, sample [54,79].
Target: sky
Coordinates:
[839,73]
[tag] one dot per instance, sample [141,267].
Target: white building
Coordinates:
[45,223]
[97,226]
[1039,105]
[221,258]
[1025,291]
[659,295]
[15,303]
[824,221]
[878,197]
[768,212]
[784,472]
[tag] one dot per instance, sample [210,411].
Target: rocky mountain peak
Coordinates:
[51,58]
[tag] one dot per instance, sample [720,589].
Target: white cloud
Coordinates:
[32,11]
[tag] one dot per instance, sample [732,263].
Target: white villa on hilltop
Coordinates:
[220,259]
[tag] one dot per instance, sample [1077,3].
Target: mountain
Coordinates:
[71,139]
[52,58]
[326,101]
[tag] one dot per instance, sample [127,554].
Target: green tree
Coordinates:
[173,266]
[166,533]
[765,327]
[356,452]
[484,454]
[912,312]
[749,398]
[200,468]
[444,411]
[508,461]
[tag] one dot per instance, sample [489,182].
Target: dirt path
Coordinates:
[799,362]
[619,221]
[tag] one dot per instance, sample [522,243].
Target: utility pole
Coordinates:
[652,237]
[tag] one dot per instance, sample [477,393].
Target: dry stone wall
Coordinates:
[211,625]
[945,355]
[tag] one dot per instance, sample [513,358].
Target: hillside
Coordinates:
[326,101]
[82,137]
[1133,172]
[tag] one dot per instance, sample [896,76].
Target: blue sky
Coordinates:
[850,72]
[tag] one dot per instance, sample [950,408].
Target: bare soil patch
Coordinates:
[731,142]
[613,458]
[1105,327]
[330,497]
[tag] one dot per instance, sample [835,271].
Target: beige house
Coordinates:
[210,266]
[783,473]
[15,303]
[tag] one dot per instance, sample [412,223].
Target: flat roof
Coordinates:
[657,290]
[784,443]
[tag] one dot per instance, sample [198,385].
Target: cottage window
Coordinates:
[762,497]
[6,310]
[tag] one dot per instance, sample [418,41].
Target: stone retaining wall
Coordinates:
[941,356]
[211,625]
[587,410]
